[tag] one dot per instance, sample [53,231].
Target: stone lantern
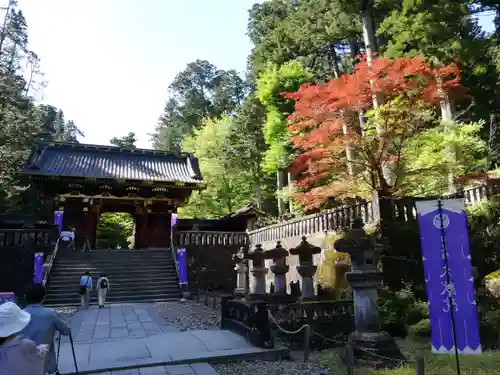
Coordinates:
[364,279]
[242,271]
[259,272]
[279,268]
[306,267]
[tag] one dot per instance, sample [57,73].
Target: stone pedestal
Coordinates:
[364,280]
[258,272]
[279,268]
[306,267]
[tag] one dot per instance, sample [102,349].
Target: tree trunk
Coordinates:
[280,182]
[449,127]
[3,32]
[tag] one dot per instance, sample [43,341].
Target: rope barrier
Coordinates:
[312,332]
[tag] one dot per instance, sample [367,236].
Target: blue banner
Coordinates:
[58,219]
[7,297]
[182,266]
[448,276]
[38,272]
[173,220]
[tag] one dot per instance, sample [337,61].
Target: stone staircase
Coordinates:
[134,276]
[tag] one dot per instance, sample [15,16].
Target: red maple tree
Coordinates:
[326,123]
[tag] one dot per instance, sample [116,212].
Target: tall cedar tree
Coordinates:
[408,86]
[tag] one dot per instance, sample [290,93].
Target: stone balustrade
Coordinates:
[209,238]
[324,221]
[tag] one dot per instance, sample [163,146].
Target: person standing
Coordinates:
[43,325]
[18,355]
[85,289]
[66,239]
[102,289]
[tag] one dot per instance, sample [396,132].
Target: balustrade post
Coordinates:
[279,267]
[306,267]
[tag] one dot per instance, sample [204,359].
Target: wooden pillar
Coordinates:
[144,230]
[94,221]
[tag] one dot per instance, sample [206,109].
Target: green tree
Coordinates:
[114,230]
[426,166]
[274,81]
[198,92]
[246,147]
[22,123]
[315,32]
[227,187]
[127,141]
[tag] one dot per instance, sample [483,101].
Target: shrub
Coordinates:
[492,283]
[331,272]
[420,330]
[400,309]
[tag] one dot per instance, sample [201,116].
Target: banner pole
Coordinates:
[448,283]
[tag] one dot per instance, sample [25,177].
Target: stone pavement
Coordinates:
[133,339]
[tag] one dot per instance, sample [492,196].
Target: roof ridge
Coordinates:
[111,148]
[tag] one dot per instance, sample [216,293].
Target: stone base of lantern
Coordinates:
[257,297]
[240,292]
[381,345]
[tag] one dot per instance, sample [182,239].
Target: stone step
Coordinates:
[121,291]
[151,268]
[73,298]
[118,287]
[151,280]
[111,258]
[143,275]
[131,299]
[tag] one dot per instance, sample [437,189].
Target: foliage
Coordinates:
[483,364]
[311,31]
[22,122]
[420,330]
[424,160]
[127,141]
[331,271]
[400,309]
[273,81]
[200,91]
[444,32]
[492,283]
[227,188]
[409,87]
[484,235]
[114,230]
[245,150]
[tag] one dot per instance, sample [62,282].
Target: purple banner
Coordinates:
[182,266]
[173,220]
[38,272]
[450,290]
[58,219]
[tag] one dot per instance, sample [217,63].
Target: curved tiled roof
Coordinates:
[107,162]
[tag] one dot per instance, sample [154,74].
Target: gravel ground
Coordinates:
[270,368]
[190,315]
[66,313]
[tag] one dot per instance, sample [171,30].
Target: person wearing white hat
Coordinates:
[18,355]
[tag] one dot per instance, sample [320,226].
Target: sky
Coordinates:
[108,63]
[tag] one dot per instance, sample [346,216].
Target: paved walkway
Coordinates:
[133,339]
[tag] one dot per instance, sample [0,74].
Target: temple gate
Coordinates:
[85,181]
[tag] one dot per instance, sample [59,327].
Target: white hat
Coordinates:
[12,319]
